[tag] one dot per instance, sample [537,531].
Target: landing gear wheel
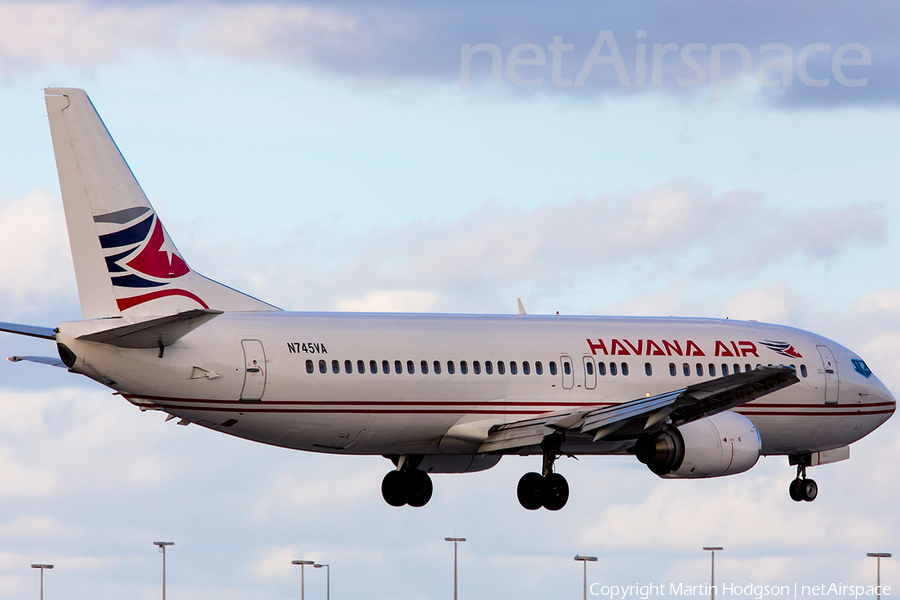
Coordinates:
[394,488]
[419,488]
[556,492]
[809,490]
[794,490]
[530,491]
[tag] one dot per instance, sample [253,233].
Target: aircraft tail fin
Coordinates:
[125,262]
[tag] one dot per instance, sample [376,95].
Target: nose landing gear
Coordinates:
[547,489]
[803,489]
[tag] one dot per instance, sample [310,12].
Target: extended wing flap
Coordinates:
[644,415]
[602,417]
[160,331]
[717,395]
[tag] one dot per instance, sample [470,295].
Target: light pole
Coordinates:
[585,560]
[162,548]
[712,585]
[455,541]
[878,556]
[302,564]
[42,567]
[327,579]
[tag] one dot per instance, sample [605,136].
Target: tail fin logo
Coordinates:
[140,255]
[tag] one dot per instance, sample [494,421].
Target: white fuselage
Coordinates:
[248,374]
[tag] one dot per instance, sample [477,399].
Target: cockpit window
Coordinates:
[861,367]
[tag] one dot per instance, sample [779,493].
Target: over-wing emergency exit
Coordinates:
[433,393]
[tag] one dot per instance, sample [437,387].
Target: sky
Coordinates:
[452,157]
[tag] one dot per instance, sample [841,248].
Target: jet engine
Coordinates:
[723,444]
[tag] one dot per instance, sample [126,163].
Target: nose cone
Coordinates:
[882,400]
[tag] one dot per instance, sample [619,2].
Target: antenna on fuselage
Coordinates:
[521,307]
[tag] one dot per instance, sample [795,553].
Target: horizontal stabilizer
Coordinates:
[153,333]
[53,361]
[644,415]
[46,333]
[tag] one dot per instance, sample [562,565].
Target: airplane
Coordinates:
[433,393]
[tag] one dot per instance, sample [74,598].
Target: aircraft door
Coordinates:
[832,377]
[568,372]
[590,373]
[254,370]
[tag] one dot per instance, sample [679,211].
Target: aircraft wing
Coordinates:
[629,420]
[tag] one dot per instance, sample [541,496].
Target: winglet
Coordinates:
[521,307]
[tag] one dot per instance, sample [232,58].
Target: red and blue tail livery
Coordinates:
[142,261]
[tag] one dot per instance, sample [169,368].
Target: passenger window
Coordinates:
[501,368]
[803,370]
[410,367]
[385,367]
[526,368]
[538,368]
[513,370]
[373,367]
[348,366]
[488,367]
[398,367]
[437,367]
[424,366]
[451,369]
[625,369]
[724,369]
[476,367]
[323,368]
[589,366]
[601,368]
[309,366]
[361,367]
[672,369]
[648,369]
[335,366]
[712,370]
[553,367]
[463,367]
[737,368]
[612,368]
[686,368]
[746,368]
[699,370]
[567,368]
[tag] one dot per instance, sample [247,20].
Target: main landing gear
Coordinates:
[547,489]
[803,489]
[406,485]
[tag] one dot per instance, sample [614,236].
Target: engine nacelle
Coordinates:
[458,463]
[723,444]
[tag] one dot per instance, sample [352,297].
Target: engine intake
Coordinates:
[724,444]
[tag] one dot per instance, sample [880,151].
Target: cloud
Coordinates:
[389,301]
[678,232]
[393,41]
[37,270]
